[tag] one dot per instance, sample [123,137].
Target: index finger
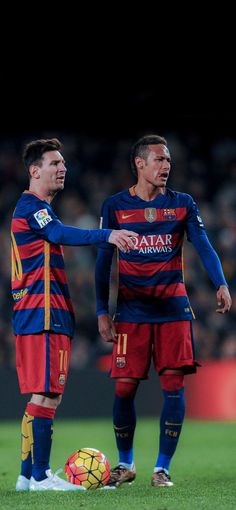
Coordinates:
[130,232]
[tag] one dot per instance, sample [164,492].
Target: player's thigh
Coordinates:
[132,353]
[173,346]
[42,362]
[60,350]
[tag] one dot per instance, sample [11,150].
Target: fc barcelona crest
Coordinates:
[62,379]
[169,214]
[120,361]
[150,214]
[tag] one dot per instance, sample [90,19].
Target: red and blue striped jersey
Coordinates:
[151,281]
[39,286]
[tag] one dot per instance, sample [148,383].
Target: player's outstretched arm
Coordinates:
[106,328]
[58,233]
[224,300]
[122,239]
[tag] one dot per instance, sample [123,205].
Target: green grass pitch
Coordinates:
[203,469]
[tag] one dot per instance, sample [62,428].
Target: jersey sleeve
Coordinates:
[104,262]
[49,227]
[196,234]
[195,225]
[108,219]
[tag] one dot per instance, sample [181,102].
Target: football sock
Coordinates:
[171,421]
[42,422]
[126,458]
[26,442]
[124,421]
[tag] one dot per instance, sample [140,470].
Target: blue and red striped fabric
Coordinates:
[39,286]
[151,280]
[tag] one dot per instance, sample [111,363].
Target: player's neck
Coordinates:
[148,193]
[41,193]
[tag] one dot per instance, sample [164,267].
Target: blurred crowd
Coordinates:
[98,167]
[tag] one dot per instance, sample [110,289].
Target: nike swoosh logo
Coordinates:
[125,216]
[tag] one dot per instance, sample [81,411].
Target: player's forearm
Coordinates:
[73,236]
[210,260]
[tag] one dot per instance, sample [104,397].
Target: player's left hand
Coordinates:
[224,300]
[107,328]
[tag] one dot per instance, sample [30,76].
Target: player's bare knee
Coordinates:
[47,399]
[54,400]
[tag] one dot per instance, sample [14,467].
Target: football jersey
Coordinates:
[39,286]
[151,284]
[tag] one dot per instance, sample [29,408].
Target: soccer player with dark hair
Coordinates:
[43,315]
[153,316]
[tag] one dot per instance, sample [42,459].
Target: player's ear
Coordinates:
[34,171]
[139,163]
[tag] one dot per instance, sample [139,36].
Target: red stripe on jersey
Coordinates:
[38,301]
[30,301]
[56,249]
[58,275]
[149,268]
[138,215]
[181,213]
[60,302]
[19,225]
[29,278]
[31,249]
[161,291]
[36,248]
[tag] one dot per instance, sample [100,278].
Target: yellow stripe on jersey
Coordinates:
[46,285]
[16,266]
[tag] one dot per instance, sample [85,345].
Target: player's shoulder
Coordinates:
[180,197]
[29,203]
[116,198]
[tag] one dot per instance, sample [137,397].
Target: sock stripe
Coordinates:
[40,411]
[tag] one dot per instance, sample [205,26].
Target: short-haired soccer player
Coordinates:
[153,315]
[43,316]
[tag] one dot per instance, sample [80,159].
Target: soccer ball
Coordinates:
[88,467]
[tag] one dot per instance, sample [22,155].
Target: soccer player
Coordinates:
[43,316]
[153,315]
